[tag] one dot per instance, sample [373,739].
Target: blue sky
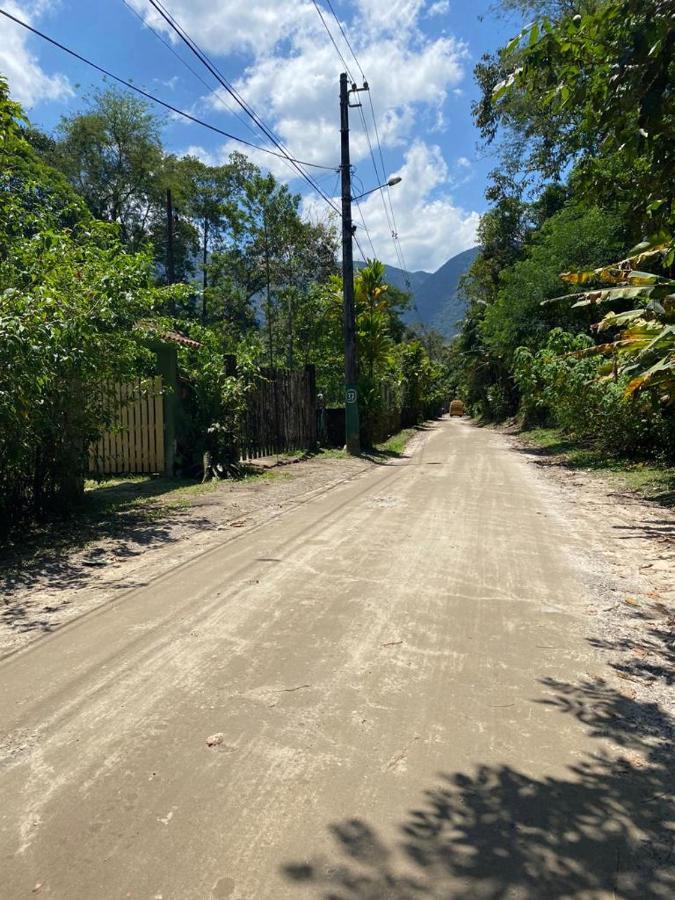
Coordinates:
[418,56]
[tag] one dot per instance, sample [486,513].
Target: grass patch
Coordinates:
[292,454]
[392,448]
[396,444]
[648,479]
[332,453]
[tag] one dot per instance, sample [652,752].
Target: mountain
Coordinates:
[436,303]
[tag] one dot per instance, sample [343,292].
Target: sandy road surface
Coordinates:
[388,692]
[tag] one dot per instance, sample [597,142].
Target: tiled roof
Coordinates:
[175,337]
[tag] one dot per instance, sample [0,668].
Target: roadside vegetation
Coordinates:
[571,302]
[649,480]
[93,269]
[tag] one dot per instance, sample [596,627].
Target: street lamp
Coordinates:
[396,179]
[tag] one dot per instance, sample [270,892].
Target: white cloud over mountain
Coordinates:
[431,228]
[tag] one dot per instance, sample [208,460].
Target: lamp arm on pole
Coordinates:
[392,181]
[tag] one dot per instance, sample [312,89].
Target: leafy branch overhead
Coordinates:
[594,85]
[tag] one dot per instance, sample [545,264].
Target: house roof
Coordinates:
[175,337]
[168,336]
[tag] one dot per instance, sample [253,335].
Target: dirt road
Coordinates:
[399,689]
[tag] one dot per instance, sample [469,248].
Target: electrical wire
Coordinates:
[346,39]
[360,249]
[388,190]
[160,37]
[334,43]
[152,97]
[365,228]
[392,223]
[378,177]
[346,65]
[203,58]
[388,209]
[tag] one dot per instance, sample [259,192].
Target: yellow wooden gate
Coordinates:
[135,443]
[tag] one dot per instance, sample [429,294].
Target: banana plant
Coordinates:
[642,339]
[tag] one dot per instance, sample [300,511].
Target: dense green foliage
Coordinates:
[580,107]
[398,370]
[89,278]
[71,299]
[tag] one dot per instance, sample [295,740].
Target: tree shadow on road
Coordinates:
[603,829]
[115,522]
[646,655]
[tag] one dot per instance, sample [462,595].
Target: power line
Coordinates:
[388,189]
[187,65]
[346,65]
[203,58]
[388,210]
[346,39]
[360,249]
[208,63]
[152,97]
[332,39]
[365,228]
[377,176]
[392,224]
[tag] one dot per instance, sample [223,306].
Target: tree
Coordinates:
[210,197]
[71,305]
[593,83]
[112,154]
[643,344]
[319,337]
[271,261]
[373,319]
[571,238]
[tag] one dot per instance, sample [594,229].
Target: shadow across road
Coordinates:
[604,829]
[129,516]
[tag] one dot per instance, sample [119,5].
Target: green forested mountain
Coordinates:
[435,299]
[439,302]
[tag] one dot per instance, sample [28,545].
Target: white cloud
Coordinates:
[390,15]
[406,78]
[203,155]
[169,83]
[28,82]
[222,27]
[291,77]
[440,8]
[431,228]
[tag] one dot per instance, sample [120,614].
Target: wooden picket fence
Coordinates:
[135,442]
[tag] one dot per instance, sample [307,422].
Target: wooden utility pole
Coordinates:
[270,335]
[204,261]
[352,439]
[170,266]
